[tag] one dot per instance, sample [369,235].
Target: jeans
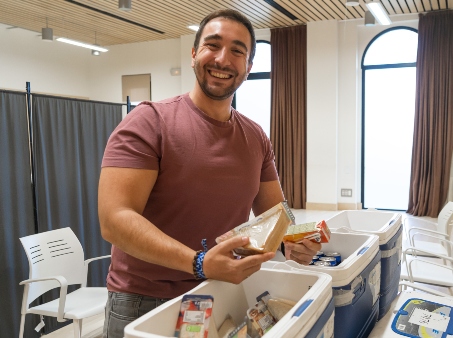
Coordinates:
[123,308]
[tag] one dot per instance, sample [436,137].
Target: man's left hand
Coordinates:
[303,252]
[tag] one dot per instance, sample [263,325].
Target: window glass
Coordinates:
[389,125]
[254,101]
[253,97]
[262,60]
[395,46]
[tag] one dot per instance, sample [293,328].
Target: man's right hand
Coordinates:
[220,263]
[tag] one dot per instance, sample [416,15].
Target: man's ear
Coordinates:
[194,54]
[249,68]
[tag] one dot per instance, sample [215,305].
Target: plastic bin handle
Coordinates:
[393,220]
[363,250]
[302,308]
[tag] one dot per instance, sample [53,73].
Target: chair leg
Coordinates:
[22,325]
[77,323]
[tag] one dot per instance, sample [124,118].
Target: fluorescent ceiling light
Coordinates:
[81,44]
[379,12]
[193,27]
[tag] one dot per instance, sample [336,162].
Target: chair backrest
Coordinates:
[53,253]
[445,219]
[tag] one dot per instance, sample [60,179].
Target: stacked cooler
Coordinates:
[311,317]
[388,227]
[355,282]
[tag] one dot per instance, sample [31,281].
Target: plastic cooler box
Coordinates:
[311,317]
[355,282]
[417,314]
[389,228]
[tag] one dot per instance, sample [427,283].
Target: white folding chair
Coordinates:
[430,236]
[433,270]
[56,260]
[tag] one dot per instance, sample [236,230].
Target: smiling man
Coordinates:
[180,172]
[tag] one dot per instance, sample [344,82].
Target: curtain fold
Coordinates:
[16,211]
[288,110]
[69,142]
[433,125]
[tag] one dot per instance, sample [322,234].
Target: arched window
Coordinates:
[388,106]
[253,97]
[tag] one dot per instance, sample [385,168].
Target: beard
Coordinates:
[217,92]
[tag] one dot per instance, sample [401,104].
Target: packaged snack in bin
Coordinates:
[265,231]
[261,318]
[315,231]
[194,315]
[277,307]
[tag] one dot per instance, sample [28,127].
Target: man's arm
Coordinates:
[269,195]
[123,193]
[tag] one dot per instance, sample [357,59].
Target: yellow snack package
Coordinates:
[315,231]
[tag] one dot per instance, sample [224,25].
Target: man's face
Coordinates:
[221,61]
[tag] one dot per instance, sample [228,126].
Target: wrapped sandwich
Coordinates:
[265,231]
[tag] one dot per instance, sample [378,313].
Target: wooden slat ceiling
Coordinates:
[101,22]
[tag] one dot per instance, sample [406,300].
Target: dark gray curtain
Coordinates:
[69,141]
[16,211]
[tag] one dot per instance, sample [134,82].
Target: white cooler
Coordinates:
[312,290]
[355,282]
[389,228]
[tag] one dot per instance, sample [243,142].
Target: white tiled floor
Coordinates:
[92,327]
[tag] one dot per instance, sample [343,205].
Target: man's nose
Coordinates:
[222,57]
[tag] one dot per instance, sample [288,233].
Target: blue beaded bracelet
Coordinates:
[199,273]
[198,261]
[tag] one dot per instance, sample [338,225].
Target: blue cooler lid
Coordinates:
[422,318]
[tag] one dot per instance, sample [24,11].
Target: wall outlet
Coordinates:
[346,192]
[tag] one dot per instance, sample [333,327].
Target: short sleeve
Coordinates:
[268,170]
[136,142]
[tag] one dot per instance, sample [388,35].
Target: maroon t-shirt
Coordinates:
[209,175]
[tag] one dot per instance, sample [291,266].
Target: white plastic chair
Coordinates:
[430,236]
[56,260]
[434,270]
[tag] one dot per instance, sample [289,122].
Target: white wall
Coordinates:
[154,57]
[50,67]
[62,69]
[334,108]
[322,102]
[335,50]
[187,74]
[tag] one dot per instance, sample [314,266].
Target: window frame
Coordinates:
[364,69]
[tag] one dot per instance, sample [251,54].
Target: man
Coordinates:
[182,170]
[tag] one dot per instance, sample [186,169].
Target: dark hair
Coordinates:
[230,14]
